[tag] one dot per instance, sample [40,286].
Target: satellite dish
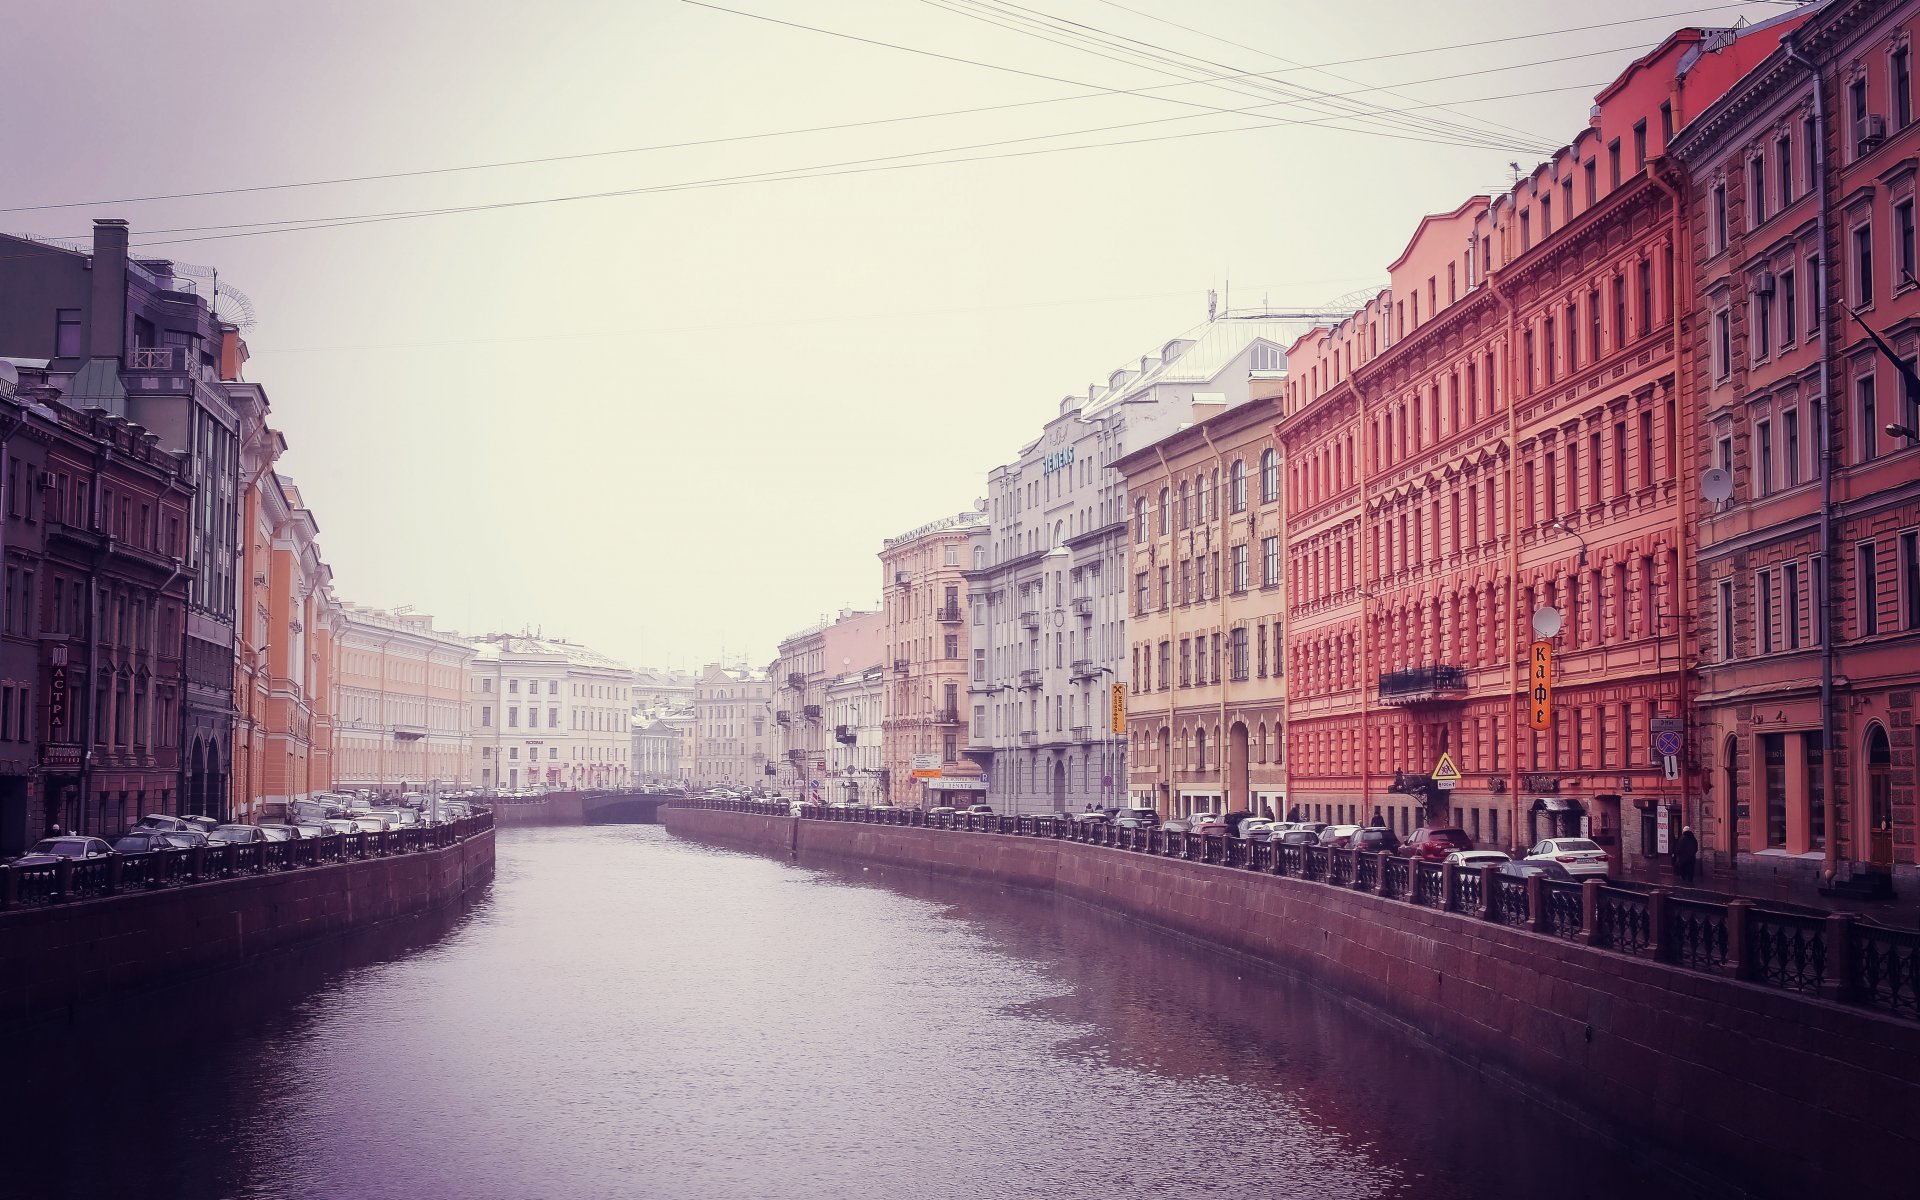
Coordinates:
[1716,485]
[1546,622]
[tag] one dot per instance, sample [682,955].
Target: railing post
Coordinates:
[1589,909]
[1838,982]
[1448,902]
[114,869]
[1537,905]
[1657,924]
[1739,934]
[9,888]
[63,878]
[1489,894]
[1379,872]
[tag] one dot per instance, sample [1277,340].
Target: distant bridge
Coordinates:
[595,807]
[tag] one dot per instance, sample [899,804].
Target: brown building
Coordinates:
[1807,590]
[926,609]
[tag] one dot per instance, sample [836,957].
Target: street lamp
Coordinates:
[1573,533]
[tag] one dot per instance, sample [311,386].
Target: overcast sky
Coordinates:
[673,423]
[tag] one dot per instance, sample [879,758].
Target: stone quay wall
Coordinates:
[1768,1091]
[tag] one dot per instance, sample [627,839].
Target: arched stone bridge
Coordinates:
[583,808]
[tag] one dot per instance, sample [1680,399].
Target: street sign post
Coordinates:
[1671,766]
[1666,738]
[926,766]
[1446,776]
[1540,686]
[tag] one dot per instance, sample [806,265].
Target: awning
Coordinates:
[1555,804]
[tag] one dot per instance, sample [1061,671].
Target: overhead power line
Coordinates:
[1094,94]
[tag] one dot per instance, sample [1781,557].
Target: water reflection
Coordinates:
[632,1015]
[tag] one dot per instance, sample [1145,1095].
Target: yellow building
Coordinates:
[401,716]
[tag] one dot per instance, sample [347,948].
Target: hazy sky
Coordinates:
[673,422]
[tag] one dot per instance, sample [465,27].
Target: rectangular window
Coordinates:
[1613,164]
[1789,309]
[1857,108]
[1551,349]
[1762,324]
[1783,168]
[1763,465]
[1910,579]
[1790,601]
[1763,610]
[1526,341]
[1593,192]
[1773,757]
[1639,145]
[1867,439]
[1866,581]
[1813,294]
[1900,75]
[66,332]
[1903,246]
[1726,620]
[1862,265]
[1756,191]
[486,716]
[1270,561]
[1722,345]
[1646,297]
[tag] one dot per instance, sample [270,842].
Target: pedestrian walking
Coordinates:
[1378,819]
[1686,853]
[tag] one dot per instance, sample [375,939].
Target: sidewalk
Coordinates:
[1722,884]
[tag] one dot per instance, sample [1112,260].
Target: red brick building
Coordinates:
[1500,431]
[1783,188]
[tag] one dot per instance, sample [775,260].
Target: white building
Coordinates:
[549,713]
[657,739]
[856,708]
[732,716]
[1047,621]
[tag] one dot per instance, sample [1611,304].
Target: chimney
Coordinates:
[107,316]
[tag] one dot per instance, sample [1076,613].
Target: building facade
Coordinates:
[400,711]
[732,724]
[549,713]
[856,712]
[1807,585]
[926,622]
[137,339]
[657,741]
[1049,615]
[1501,432]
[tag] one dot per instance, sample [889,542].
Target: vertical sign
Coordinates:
[1540,685]
[1663,830]
[1119,708]
[57,705]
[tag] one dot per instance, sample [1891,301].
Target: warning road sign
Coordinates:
[1445,773]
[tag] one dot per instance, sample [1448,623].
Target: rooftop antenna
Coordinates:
[1213,303]
[1515,167]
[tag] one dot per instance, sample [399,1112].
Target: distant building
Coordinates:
[733,715]
[856,708]
[549,713]
[926,606]
[657,690]
[809,660]
[657,742]
[400,702]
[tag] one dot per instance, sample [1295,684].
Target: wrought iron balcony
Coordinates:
[812,712]
[846,735]
[796,681]
[1083,605]
[1084,668]
[1030,678]
[783,717]
[1029,737]
[900,666]
[1031,618]
[949,613]
[903,578]
[947,716]
[1423,685]
[1082,733]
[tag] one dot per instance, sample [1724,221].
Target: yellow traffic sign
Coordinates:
[1119,724]
[1444,770]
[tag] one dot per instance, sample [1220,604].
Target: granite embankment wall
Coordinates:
[1769,1091]
[55,955]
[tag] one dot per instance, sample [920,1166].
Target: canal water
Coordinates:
[627,1014]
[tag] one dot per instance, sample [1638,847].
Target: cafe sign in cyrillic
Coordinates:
[1540,686]
[60,758]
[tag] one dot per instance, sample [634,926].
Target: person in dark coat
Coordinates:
[1686,853]
[1379,819]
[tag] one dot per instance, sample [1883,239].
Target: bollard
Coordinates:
[1739,932]
[1589,909]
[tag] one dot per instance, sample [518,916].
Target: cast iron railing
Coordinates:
[1835,956]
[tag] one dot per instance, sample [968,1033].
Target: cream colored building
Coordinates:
[549,713]
[923,572]
[400,711]
[733,723]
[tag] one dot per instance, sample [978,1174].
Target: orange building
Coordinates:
[283,659]
[1502,431]
[402,689]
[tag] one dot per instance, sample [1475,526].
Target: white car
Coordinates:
[1580,856]
[1478,858]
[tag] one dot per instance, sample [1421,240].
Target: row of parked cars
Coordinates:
[321,816]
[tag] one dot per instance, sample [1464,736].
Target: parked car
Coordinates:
[1090,817]
[186,839]
[142,841]
[978,810]
[54,849]
[1435,844]
[1313,827]
[1259,829]
[238,835]
[1374,839]
[1235,820]
[796,807]
[1176,825]
[1582,857]
[367,825]
[1300,837]
[340,825]
[1336,837]
[942,810]
[1149,816]
[204,824]
[1478,858]
[158,823]
[280,833]
[1529,866]
[313,831]
[1133,823]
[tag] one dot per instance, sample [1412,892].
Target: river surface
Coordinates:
[628,1014]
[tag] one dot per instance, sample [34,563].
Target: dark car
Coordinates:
[239,835]
[1213,826]
[1300,837]
[185,839]
[142,842]
[1133,823]
[1176,825]
[1233,820]
[1146,816]
[281,833]
[203,824]
[1435,844]
[1526,867]
[54,849]
[158,823]
[1374,839]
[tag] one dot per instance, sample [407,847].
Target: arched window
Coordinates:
[1199,749]
[1140,519]
[1237,485]
[1879,782]
[1269,477]
[1186,505]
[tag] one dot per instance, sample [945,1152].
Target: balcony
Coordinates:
[1083,605]
[1029,737]
[947,716]
[1082,733]
[1030,678]
[899,666]
[783,717]
[846,735]
[903,578]
[796,681]
[795,756]
[948,614]
[811,712]
[1083,668]
[152,358]
[1423,685]
[1031,618]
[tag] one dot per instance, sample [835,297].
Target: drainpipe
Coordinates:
[101,457]
[1828,866]
[1220,598]
[1366,595]
[1513,562]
